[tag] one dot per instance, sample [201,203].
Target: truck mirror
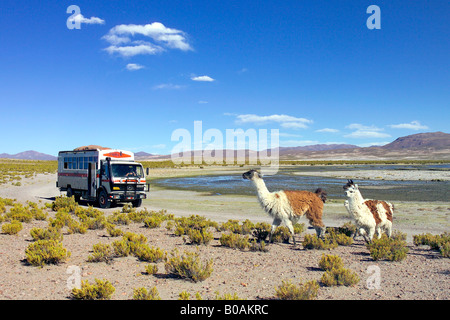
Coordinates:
[147,171]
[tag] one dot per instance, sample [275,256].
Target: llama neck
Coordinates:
[261,188]
[356,202]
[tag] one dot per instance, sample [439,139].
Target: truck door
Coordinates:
[91,180]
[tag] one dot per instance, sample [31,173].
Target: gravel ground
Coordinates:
[422,275]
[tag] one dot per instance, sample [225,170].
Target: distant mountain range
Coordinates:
[430,145]
[28,155]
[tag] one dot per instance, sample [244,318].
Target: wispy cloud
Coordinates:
[79,18]
[202,78]
[413,125]
[162,38]
[363,131]
[328,130]
[134,67]
[130,51]
[168,86]
[285,121]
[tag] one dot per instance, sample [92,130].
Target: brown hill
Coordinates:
[435,140]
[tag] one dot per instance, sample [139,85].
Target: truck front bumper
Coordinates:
[127,197]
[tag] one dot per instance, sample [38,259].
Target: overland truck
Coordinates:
[106,176]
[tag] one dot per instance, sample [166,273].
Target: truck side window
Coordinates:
[105,170]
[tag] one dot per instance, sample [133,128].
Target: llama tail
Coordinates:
[321,194]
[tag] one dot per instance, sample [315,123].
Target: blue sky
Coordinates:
[136,71]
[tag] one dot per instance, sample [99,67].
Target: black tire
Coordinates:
[102,200]
[69,192]
[137,203]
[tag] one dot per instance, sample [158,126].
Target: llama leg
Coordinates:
[389,229]
[371,232]
[291,229]
[378,232]
[276,222]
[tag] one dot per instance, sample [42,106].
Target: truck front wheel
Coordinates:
[103,201]
[137,203]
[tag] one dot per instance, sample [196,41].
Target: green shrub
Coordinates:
[261,231]
[391,249]
[101,253]
[235,226]
[439,243]
[143,294]
[281,234]
[329,261]
[188,266]
[19,213]
[119,218]
[46,234]
[304,291]
[258,246]
[12,228]
[101,290]
[150,254]
[151,269]
[227,296]
[299,228]
[121,248]
[64,202]
[202,236]
[77,227]
[46,252]
[339,277]
[184,295]
[314,242]
[152,222]
[234,241]
[113,231]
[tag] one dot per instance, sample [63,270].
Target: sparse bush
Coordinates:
[12,228]
[61,202]
[227,296]
[234,241]
[329,261]
[101,290]
[281,234]
[19,213]
[258,246]
[150,254]
[202,236]
[121,248]
[46,252]
[261,231]
[314,242]
[391,249]
[46,234]
[299,228]
[439,243]
[304,291]
[152,222]
[235,226]
[113,231]
[101,253]
[188,266]
[151,269]
[339,277]
[119,218]
[143,294]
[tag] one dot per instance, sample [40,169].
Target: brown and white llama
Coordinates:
[288,206]
[371,216]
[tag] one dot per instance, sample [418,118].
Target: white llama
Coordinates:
[288,206]
[371,216]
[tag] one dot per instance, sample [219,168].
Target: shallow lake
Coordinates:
[371,189]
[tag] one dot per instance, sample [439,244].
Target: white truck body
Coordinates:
[102,175]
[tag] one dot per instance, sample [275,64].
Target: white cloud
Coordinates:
[202,78]
[134,67]
[285,121]
[328,130]
[168,86]
[130,51]
[413,125]
[363,132]
[161,36]
[92,20]
[203,102]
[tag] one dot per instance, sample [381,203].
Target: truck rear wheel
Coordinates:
[103,201]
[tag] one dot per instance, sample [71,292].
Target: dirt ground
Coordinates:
[422,275]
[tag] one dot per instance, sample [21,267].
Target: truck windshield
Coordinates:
[127,170]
